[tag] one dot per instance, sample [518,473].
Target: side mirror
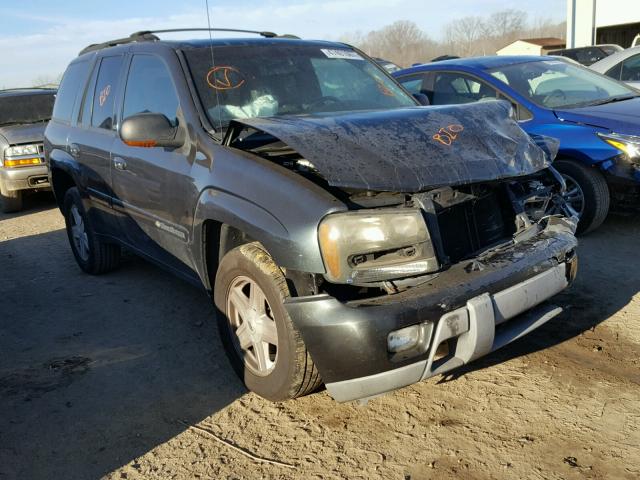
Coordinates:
[421,98]
[150,130]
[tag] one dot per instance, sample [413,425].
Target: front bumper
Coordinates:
[476,310]
[24,178]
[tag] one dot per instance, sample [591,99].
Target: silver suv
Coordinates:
[24,114]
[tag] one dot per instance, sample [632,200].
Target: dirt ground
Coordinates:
[108,376]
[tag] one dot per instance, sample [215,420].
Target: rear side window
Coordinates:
[150,89]
[72,83]
[105,92]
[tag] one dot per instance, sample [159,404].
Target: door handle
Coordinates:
[119,164]
[74,149]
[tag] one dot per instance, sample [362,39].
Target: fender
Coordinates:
[288,249]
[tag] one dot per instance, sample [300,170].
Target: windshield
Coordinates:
[272,80]
[560,84]
[27,108]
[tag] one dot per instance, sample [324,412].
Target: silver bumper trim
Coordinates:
[474,329]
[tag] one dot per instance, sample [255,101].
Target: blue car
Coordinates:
[596,119]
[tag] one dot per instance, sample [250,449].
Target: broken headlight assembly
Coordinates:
[628,144]
[369,246]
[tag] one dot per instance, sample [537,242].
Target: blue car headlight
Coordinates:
[628,144]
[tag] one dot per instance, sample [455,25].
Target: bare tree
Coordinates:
[463,35]
[404,43]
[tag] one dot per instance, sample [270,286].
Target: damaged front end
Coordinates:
[444,253]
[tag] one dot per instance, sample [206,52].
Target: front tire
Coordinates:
[590,185]
[93,255]
[263,345]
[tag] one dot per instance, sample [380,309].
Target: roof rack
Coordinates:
[150,36]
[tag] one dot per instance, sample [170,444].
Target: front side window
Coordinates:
[450,88]
[559,84]
[631,69]
[105,92]
[150,89]
[276,80]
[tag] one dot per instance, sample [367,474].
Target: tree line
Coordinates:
[404,43]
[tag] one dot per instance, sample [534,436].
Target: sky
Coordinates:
[38,38]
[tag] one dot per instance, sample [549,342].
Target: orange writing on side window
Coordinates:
[104,94]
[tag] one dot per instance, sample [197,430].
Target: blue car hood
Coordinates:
[619,117]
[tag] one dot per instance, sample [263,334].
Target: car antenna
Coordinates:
[213,67]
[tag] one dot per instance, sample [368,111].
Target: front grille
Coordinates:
[469,227]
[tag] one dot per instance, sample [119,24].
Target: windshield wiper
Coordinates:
[618,98]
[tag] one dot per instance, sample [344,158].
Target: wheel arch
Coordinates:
[224,221]
[61,181]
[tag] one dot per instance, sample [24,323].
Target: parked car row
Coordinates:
[346,234]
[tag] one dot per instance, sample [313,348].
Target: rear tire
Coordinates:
[291,371]
[93,255]
[11,201]
[594,189]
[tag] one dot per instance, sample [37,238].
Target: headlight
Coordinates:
[368,246]
[20,150]
[21,156]
[629,144]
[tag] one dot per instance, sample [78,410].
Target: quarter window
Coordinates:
[105,92]
[150,89]
[71,83]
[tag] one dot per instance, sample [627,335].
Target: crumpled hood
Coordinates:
[412,149]
[28,133]
[619,117]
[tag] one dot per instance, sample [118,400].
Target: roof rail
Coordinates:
[150,36]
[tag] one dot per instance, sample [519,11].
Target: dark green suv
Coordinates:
[347,234]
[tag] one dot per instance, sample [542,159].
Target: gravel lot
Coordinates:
[108,376]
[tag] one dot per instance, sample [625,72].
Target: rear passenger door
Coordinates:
[91,142]
[152,187]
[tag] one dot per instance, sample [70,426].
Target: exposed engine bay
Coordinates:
[466,222]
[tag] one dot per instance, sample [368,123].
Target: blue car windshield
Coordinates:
[560,84]
[273,80]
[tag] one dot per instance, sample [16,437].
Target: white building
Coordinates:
[591,22]
[532,46]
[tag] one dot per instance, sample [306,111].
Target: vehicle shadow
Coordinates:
[608,278]
[33,202]
[97,371]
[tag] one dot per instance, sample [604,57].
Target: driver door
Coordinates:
[152,185]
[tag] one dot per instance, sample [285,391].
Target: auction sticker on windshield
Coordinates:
[339,53]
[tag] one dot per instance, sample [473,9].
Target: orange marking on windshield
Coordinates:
[384,89]
[224,77]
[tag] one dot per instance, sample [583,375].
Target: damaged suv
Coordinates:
[347,235]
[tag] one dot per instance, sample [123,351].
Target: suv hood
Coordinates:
[27,133]
[411,149]
[619,117]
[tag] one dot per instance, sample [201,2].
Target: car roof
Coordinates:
[216,42]
[481,63]
[16,92]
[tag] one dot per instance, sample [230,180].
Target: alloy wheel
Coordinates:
[251,319]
